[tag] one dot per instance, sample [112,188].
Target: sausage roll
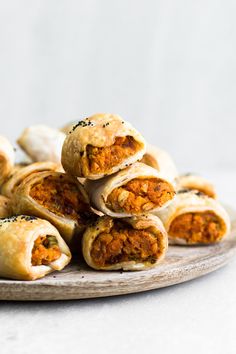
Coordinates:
[42,143]
[133,191]
[7,158]
[56,197]
[161,161]
[101,145]
[30,248]
[194,218]
[20,172]
[135,243]
[5,207]
[193,182]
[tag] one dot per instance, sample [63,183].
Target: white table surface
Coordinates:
[194,317]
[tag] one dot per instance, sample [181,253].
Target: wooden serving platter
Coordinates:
[78,281]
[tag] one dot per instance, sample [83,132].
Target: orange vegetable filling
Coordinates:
[45,250]
[199,227]
[140,195]
[59,196]
[103,159]
[150,161]
[123,243]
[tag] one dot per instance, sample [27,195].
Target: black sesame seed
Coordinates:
[28,218]
[82,123]
[17,217]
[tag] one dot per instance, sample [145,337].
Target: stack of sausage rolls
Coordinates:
[96,188]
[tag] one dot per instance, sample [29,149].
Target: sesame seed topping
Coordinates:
[83,123]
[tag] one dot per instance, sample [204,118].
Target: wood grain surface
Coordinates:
[78,281]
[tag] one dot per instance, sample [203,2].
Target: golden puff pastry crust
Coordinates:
[195,182]
[135,190]
[18,235]
[161,161]
[7,158]
[19,173]
[56,197]
[194,218]
[135,243]
[5,207]
[101,145]
[42,143]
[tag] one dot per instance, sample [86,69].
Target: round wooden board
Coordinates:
[77,281]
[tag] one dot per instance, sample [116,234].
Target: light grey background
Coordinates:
[167,66]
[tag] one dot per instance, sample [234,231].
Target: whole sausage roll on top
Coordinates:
[135,243]
[194,182]
[30,248]
[56,197]
[133,191]
[161,161]
[42,143]
[5,207]
[194,218]
[101,145]
[20,172]
[7,158]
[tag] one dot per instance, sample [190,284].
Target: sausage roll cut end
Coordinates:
[135,190]
[57,197]
[140,195]
[129,244]
[30,248]
[101,145]
[194,218]
[101,160]
[198,227]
